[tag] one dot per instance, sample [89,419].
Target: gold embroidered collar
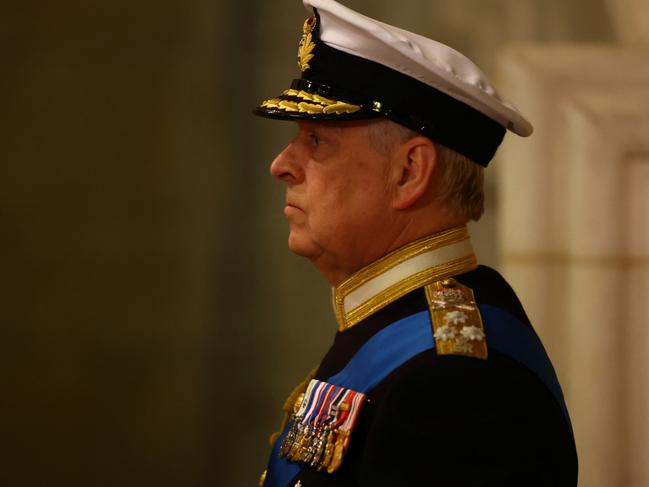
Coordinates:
[429,259]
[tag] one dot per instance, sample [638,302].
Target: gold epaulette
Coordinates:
[457,324]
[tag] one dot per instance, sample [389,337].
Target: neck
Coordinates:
[336,270]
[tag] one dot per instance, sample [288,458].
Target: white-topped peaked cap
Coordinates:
[429,61]
[355,67]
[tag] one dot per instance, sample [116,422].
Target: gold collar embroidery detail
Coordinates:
[421,262]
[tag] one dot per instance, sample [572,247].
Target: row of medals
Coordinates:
[317,445]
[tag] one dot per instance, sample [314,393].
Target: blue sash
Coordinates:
[402,340]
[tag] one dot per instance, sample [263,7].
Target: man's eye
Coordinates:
[315,140]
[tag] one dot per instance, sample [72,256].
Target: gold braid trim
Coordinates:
[289,405]
[305,95]
[310,108]
[289,106]
[271,103]
[313,104]
[298,94]
[340,108]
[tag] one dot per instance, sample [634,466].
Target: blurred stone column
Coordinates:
[630,19]
[637,339]
[566,223]
[533,183]
[608,205]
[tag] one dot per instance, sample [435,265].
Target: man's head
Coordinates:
[357,190]
[354,67]
[394,130]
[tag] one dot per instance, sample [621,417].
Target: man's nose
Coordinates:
[286,166]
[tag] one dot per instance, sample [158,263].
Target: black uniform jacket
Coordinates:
[444,420]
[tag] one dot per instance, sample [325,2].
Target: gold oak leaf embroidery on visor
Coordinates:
[311,104]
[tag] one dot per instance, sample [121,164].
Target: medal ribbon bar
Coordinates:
[322,426]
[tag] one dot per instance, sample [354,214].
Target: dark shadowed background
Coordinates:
[151,319]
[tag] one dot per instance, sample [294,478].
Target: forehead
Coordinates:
[347,128]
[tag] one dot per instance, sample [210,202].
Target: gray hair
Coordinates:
[459,180]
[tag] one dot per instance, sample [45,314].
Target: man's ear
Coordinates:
[414,166]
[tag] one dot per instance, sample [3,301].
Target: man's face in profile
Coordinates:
[337,192]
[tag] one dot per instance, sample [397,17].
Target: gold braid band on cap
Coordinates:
[312,104]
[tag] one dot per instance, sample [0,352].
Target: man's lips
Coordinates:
[291,207]
[292,204]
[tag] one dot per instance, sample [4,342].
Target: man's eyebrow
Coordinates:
[310,126]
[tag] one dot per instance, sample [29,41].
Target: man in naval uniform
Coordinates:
[435,376]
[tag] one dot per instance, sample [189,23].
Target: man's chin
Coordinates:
[302,246]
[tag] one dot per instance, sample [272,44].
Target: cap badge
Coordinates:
[305,49]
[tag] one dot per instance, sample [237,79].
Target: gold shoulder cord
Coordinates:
[457,324]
